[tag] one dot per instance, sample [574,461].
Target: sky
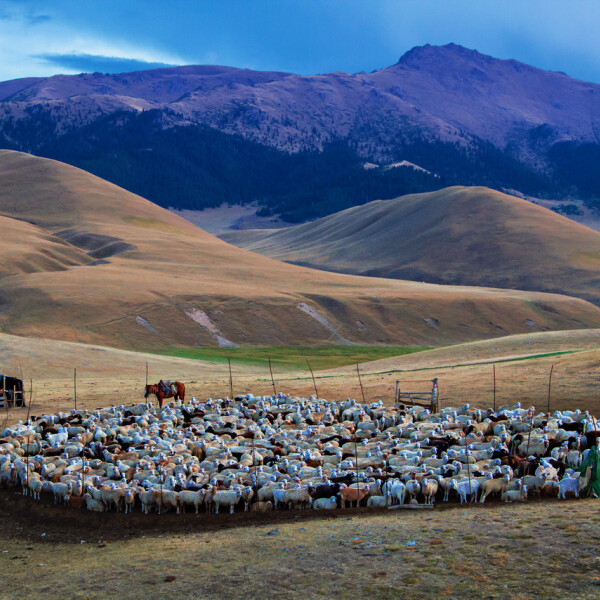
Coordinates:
[42,38]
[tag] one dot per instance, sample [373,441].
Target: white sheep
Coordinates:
[191,498]
[568,484]
[227,498]
[429,488]
[92,504]
[519,495]
[466,489]
[325,503]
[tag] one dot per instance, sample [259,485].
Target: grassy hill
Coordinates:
[89,262]
[457,235]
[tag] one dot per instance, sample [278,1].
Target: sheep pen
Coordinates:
[289,461]
[291,451]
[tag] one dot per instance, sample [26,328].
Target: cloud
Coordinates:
[91,63]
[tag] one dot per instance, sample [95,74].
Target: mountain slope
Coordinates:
[462,236]
[153,281]
[469,118]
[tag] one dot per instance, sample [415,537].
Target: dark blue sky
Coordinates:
[303,36]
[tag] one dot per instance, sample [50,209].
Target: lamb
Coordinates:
[519,495]
[226,497]
[325,503]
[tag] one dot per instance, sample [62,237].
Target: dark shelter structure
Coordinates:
[11,392]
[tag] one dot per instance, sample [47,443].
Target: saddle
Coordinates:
[169,386]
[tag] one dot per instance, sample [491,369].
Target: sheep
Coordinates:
[379,501]
[519,495]
[534,484]
[297,498]
[194,499]
[147,499]
[467,488]
[247,495]
[61,491]
[413,488]
[568,484]
[303,450]
[262,506]
[398,492]
[93,504]
[35,487]
[349,494]
[166,498]
[226,497]
[429,488]
[493,486]
[325,503]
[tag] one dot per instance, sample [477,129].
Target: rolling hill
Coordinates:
[458,235]
[100,265]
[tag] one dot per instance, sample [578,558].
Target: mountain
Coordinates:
[458,236]
[463,117]
[86,261]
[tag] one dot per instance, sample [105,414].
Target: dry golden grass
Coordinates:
[538,550]
[458,235]
[250,298]
[106,376]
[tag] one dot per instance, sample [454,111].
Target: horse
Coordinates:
[160,393]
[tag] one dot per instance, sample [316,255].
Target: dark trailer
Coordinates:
[11,392]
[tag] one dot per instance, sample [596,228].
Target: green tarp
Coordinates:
[592,461]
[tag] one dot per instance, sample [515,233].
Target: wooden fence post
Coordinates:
[313,378]
[362,391]
[75,385]
[550,388]
[230,379]
[494,369]
[29,403]
[272,379]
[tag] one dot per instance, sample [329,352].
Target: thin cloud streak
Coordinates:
[91,63]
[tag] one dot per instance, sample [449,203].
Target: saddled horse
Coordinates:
[161,393]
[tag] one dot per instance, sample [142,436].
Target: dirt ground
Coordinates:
[536,550]
[547,549]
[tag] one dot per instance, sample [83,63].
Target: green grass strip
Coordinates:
[294,357]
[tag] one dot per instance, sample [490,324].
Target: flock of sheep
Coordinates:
[281,452]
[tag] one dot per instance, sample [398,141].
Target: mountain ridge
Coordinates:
[471,118]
